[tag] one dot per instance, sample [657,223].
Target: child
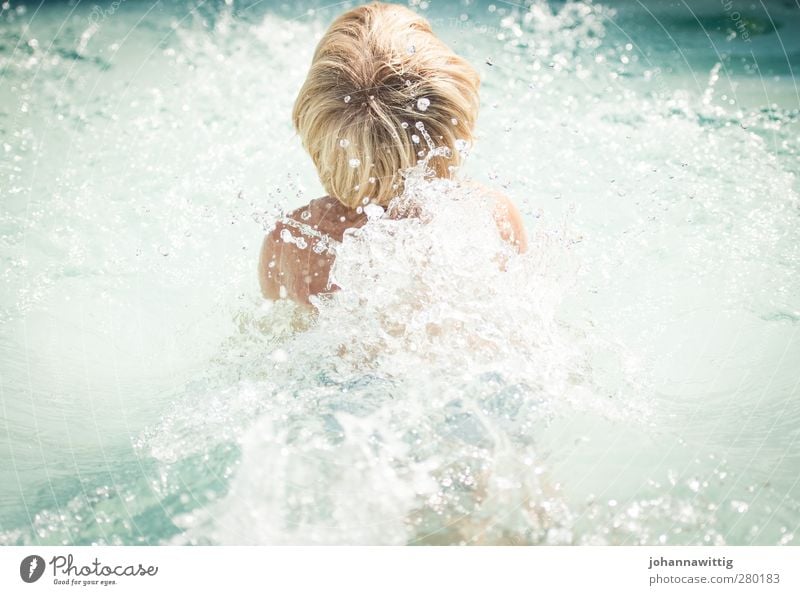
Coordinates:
[377,72]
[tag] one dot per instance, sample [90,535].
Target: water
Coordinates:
[634,379]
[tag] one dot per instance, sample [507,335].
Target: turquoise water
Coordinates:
[633,380]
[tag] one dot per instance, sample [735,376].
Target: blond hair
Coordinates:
[376,74]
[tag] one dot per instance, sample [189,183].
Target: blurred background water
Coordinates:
[150,396]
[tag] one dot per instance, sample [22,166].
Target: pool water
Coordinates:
[634,379]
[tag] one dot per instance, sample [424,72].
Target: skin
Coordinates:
[288,271]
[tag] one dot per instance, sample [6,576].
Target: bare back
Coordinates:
[289,270]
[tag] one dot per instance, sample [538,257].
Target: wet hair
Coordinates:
[380,87]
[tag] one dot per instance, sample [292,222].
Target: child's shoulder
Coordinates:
[507,216]
[328,216]
[288,265]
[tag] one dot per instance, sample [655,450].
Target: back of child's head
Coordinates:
[377,72]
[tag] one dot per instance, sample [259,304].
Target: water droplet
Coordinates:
[489,62]
[454,121]
[344,143]
[404,124]
[373,211]
[411,49]
[354,162]
[347,99]
[415,138]
[372,180]
[423,103]
[739,506]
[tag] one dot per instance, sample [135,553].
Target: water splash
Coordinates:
[418,389]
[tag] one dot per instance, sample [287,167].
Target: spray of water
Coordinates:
[408,410]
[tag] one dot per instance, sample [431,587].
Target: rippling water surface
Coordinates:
[632,379]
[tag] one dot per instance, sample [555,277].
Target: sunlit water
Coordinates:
[633,379]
